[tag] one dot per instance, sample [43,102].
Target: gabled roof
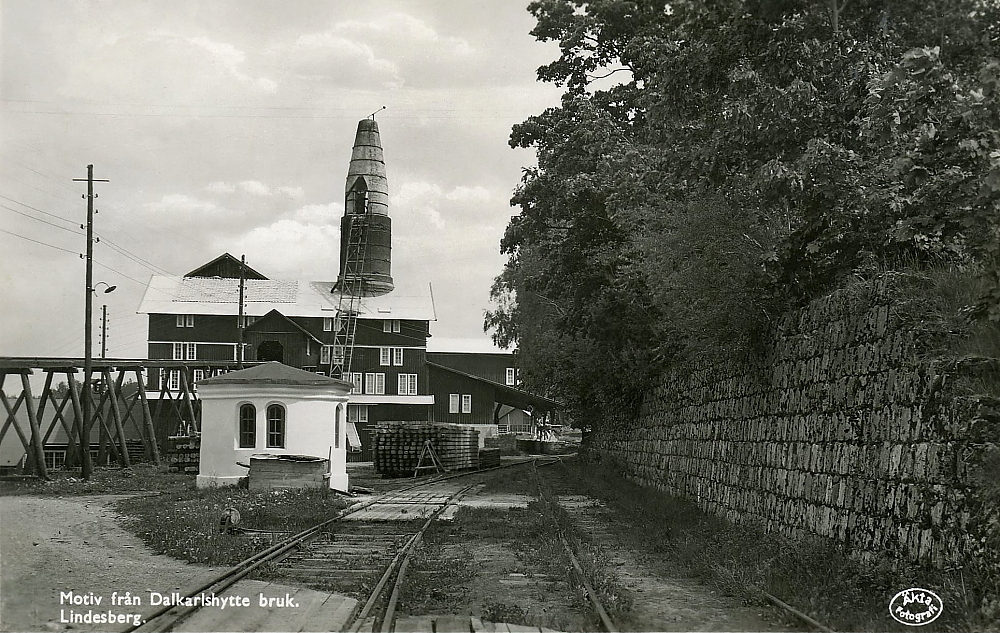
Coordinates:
[504,394]
[274,314]
[222,263]
[293,298]
[464,346]
[274,373]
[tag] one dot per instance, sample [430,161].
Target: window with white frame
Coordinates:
[453,403]
[385,356]
[324,354]
[275,426]
[175,380]
[338,354]
[510,377]
[327,324]
[375,383]
[188,320]
[407,385]
[198,375]
[397,356]
[391,325]
[466,403]
[178,351]
[358,414]
[356,379]
[192,351]
[180,320]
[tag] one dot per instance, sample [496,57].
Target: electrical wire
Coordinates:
[58,248]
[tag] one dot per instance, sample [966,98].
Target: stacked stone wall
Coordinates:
[846,430]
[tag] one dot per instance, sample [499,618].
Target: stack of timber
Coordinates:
[183,453]
[270,472]
[398,446]
[489,457]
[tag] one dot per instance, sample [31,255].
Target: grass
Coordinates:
[186,524]
[816,577]
[103,481]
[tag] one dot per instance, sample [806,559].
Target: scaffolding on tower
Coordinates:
[351,288]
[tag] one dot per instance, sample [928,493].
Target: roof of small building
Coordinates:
[293,298]
[437,344]
[274,373]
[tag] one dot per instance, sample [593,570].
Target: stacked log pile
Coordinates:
[489,457]
[398,446]
[183,453]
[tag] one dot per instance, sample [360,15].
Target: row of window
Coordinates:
[453,403]
[275,426]
[330,324]
[373,383]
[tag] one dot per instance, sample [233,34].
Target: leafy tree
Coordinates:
[746,154]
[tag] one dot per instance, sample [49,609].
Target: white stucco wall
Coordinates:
[315,424]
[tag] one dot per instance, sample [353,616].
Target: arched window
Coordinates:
[336,427]
[248,426]
[276,426]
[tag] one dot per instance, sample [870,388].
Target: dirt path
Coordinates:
[663,603]
[60,544]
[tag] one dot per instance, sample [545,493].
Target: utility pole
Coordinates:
[240,324]
[88,361]
[104,331]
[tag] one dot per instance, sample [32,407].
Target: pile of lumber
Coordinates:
[489,457]
[183,453]
[399,445]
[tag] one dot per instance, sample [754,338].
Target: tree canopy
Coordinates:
[713,162]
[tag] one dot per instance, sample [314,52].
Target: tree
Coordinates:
[747,154]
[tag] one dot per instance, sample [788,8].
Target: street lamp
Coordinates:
[85,465]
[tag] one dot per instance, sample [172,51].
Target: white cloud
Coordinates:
[181,203]
[255,188]
[220,187]
[320,214]
[292,249]
[292,192]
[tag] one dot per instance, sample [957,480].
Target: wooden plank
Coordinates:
[332,615]
[415,624]
[229,619]
[286,618]
[478,626]
[452,624]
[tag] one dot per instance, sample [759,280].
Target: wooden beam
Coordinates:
[116,415]
[189,397]
[12,420]
[36,435]
[78,424]
[152,447]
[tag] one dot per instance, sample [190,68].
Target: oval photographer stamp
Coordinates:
[915,606]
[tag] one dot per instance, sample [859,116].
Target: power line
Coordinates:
[58,217]
[65,250]
[28,215]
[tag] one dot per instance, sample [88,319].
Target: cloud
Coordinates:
[291,249]
[255,188]
[220,187]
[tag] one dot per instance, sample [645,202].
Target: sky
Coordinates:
[228,126]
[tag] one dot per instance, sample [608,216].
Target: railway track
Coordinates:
[365,557]
[366,549]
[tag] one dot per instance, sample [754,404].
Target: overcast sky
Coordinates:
[228,126]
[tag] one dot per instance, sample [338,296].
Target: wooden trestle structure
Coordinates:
[117,412]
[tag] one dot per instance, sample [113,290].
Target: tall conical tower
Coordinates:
[365,229]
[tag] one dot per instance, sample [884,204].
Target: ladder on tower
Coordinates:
[351,288]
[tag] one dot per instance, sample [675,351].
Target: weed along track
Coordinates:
[397,562]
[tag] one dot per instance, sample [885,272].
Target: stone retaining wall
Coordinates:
[843,431]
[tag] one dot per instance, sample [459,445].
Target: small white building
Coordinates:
[271,409]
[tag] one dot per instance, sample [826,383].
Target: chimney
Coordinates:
[365,229]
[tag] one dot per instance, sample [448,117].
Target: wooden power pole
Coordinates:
[88,361]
